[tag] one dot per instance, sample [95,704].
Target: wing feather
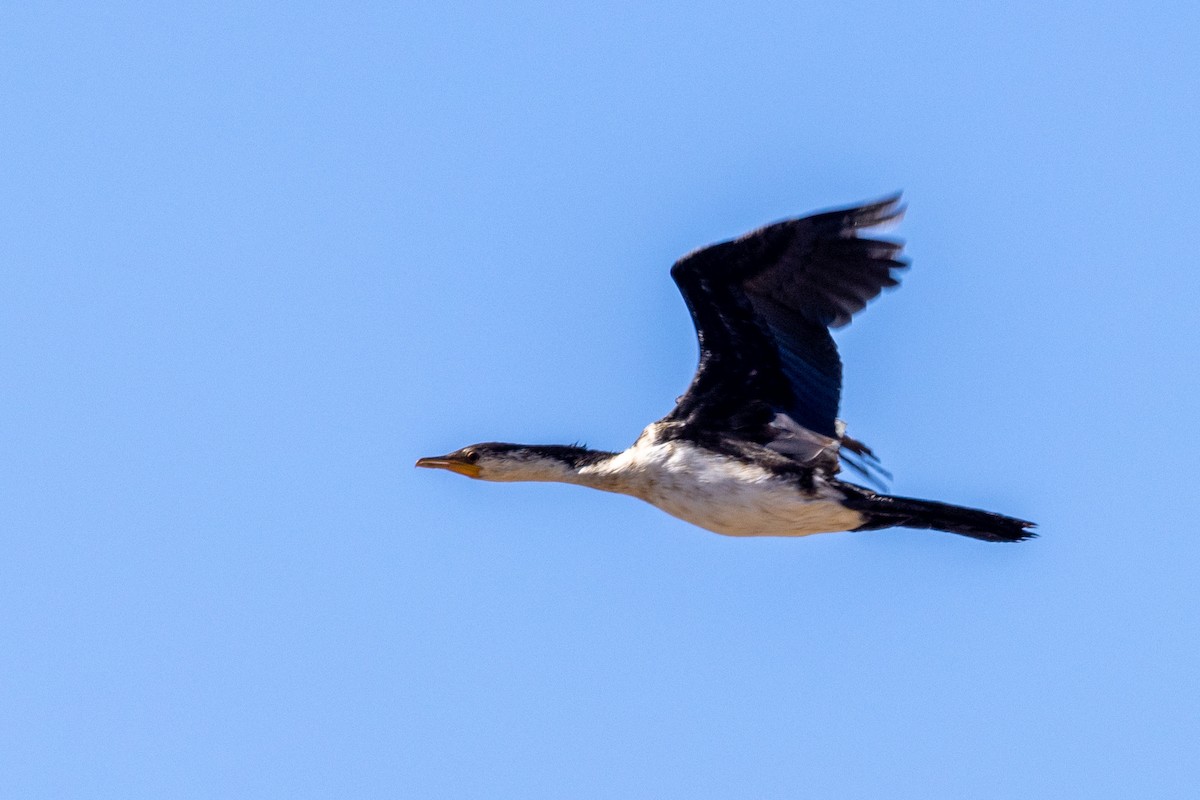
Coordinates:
[763,305]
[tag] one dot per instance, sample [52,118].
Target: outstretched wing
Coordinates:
[763,305]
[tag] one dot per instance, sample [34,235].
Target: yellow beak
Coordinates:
[453,464]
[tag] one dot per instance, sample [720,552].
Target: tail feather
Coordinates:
[885,511]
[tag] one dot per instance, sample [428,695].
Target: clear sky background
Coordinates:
[258,258]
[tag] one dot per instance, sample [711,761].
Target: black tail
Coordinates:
[885,511]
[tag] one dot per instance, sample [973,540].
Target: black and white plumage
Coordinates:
[754,445]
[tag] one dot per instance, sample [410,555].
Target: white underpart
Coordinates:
[720,494]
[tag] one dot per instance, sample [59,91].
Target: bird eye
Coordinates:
[471,456]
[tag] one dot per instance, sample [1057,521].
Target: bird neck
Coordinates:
[559,464]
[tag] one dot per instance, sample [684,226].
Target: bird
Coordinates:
[754,446]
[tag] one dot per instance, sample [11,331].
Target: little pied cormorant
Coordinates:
[753,447]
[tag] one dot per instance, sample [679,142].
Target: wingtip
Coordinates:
[879,212]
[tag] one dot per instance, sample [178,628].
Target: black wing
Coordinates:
[763,305]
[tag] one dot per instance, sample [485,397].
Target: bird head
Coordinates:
[497,461]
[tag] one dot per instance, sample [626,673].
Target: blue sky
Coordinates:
[258,258]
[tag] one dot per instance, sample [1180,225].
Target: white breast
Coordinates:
[721,494]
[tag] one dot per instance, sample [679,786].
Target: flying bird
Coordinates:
[754,446]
